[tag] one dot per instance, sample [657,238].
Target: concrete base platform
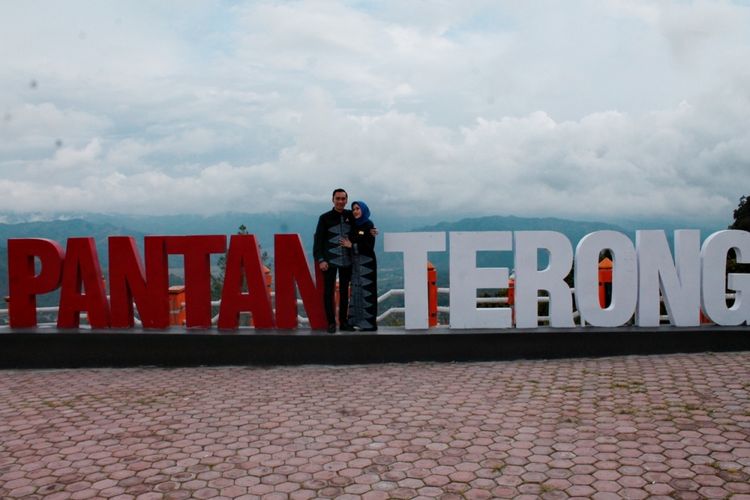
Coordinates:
[50,348]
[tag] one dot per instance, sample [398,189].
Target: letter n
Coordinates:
[128,282]
[24,283]
[81,270]
[291,267]
[244,255]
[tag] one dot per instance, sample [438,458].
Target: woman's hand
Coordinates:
[345,242]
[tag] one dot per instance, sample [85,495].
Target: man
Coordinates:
[332,258]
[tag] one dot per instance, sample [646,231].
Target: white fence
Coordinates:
[391,311]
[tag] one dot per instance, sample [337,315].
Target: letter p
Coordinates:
[24,283]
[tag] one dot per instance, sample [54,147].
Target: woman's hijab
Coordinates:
[365,213]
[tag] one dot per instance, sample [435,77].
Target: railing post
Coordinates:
[605,282]
[269,280]
[432,294]
[512,299]
[269,277]
[177,314]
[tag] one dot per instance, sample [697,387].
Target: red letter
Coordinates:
[127,282]
[24,283]
[197,251]
[81,269]
[290,268]
[244,255]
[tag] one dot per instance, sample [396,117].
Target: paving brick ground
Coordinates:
[632,427]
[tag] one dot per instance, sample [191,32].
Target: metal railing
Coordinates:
[391,311]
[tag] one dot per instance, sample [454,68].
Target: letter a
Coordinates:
[81,270]
[244,255]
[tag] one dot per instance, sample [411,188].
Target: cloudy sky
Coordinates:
[588,109]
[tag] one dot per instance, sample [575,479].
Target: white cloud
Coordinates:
[69,158]
[28,126]
[587,109]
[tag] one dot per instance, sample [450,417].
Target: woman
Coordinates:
[363,305]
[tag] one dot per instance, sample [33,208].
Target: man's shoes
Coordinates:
[373,329]
[346,327]
[332,328]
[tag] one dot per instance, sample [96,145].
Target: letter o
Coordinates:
[624,278]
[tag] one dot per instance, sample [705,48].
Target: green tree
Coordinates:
[742,215]
[742,222]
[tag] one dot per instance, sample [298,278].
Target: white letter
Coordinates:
[714,265]
[529,279]
[624,272]
[415,247]
[466,278]
[678,280]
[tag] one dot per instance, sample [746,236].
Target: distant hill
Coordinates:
[60,230]
[263,226]
[573,230]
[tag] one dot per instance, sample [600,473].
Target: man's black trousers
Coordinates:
[329,290]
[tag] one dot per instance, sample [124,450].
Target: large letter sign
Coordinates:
[129,283]
[81,270]
[624,279]
[292,267]
[530,280]
[243,260]
[678,279]
[466,278]
[415,247]
[197,251]
[714,255]
[688,281]
[24,283]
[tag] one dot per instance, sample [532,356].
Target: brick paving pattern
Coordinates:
[666,427]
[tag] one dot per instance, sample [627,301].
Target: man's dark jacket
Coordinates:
[332,226]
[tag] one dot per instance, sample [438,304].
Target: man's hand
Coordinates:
[323,266]
[374,231]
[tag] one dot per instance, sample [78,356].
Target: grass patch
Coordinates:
[717,465]
[626,411]
[546,488]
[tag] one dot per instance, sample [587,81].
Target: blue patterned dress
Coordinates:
[363,306]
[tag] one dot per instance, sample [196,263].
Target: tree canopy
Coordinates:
[742,215]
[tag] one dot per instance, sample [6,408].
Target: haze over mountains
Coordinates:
[265,225]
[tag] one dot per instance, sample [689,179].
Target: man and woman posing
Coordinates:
[345,246]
